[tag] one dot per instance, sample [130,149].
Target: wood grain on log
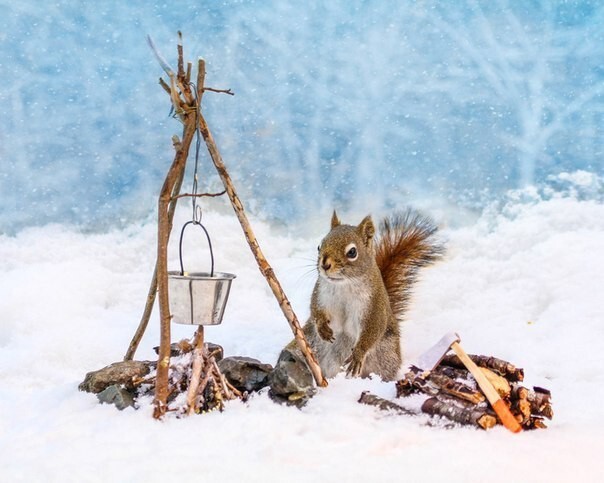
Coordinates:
[436,383]
[499,366]
[460,415]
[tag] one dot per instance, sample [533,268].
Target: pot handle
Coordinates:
[182,232]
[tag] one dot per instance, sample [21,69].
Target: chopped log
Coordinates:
[499,366]
[519,392]
[384,404]
[446,398]
[539,399]
[452,372]
[500,383]
[535,422]
[543,395]
[459,415]
[456,388]
[404,387]
[521,409]
[546,410]
[435,384]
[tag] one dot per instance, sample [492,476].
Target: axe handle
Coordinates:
[502,411]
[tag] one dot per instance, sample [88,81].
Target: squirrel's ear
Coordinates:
[367,230]
[335,221]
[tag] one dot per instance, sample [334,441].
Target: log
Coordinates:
[535,422]
[456,388]
[519,392]
[383,404]
[521,409]
[499,366]
[500,383]
[452,372]
[538,398]
[435,384]
[479,418]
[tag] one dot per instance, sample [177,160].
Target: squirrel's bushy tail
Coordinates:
[406,242]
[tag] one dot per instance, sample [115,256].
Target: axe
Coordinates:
[432,357]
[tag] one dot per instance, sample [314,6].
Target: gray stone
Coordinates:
[245,373]
[116,395]
[291,381]
[116,373]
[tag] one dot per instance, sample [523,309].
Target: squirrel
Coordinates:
[363,290]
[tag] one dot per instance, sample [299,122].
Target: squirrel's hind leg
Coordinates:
[384,359]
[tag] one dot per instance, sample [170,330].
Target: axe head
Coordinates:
[430,359]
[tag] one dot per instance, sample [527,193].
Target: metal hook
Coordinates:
[197,215]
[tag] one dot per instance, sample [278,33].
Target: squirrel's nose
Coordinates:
[325,264]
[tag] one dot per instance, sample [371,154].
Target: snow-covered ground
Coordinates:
[525,285]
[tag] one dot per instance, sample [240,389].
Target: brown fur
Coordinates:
[406,242]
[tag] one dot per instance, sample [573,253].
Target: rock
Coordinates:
[245,373]
[184,346]
[116,373]
[120,397]
[291,381]
[215,349]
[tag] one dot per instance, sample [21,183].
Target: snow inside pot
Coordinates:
[198,298]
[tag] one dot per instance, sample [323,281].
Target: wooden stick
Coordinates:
[263,264]
[199,195]
[151,295]
[384,404]
[201,80]
[221,380]
[207,375]
[163,236]
[198,360]
[220,91]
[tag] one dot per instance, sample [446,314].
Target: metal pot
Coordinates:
[198,298]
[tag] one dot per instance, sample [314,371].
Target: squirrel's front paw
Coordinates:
[325,331]
[355,364]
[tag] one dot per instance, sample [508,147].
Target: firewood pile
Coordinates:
[198,376]
[454,394]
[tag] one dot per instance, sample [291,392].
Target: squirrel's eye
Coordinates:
[319,248]
[352,253]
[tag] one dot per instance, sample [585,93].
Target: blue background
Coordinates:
[341,103]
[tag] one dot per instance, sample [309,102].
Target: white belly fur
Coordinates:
[345,303]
